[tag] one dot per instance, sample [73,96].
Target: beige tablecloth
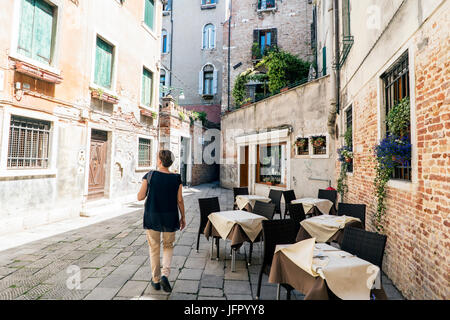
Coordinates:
[323,205]
[243,200]
[224,221]
[325,226]
[347,276]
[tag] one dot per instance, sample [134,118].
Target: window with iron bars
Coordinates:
[145,152]
[349,125]
[396,87]
[266,4]
[28,143]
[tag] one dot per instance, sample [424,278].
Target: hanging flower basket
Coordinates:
[301,142]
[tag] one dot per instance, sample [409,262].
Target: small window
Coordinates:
[104,57]
[271,164]
[164,40]
[145,152]
[302,145]
[266,4]
[209,36]
[149,13]
[147,85]
[265,39]
[36,31]
[208,78]
[28,143]
[208,2]
[319,145]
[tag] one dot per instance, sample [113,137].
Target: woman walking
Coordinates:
[163,190]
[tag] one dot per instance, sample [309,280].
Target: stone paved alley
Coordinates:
[114,262]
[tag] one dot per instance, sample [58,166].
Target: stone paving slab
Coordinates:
[113,261]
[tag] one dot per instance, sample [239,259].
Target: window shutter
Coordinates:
[200,82]
[168,42]
[204,38]
[103,64]
[149,11]
[26,28]
[214,82]
[274,37]
[213,37]
[256,36]
[42,35]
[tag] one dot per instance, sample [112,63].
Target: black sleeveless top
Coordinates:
[161,206]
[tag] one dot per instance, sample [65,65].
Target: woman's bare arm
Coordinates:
[143,192]
[181,207]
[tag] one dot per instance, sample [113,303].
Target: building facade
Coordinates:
[192,54]
[78,105]
[401,50]
[264,23]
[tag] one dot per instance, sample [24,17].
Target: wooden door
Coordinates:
[244,167]
[97,164]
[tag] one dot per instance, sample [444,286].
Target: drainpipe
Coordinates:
[337,54]
[229,53]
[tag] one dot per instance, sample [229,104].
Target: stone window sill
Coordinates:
[13,173]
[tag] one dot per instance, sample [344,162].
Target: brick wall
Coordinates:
[417,221]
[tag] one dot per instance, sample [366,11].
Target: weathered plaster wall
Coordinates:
[305,109]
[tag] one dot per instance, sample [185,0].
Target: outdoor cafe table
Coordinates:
[237,225]
[248,201]
[315,206]
[326,228]
[323,272]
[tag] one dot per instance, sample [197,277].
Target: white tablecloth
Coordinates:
[324,205]
[324,227]
[243,200]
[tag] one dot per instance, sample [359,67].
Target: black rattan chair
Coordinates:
[353,210]
[275,196]
[329,195]
[297,214]
[264,209]
[237,192]
[364,244]
[207,206]
[288,195]
[275,232]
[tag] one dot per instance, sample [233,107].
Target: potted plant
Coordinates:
[284,89]
[256,51]
[301,142]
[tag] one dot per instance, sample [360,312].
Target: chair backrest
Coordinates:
[207,206]
[297,213]
[240,191]
[275,196]
[289,195]
[264,209]
[276,232]
[353,210]
[328,194]
[364,244]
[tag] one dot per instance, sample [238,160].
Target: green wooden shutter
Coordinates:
[149,13]
[146,95]
[103,64]
[43,31]
[26,28]
[324,61]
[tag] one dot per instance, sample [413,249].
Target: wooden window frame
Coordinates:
[258,164]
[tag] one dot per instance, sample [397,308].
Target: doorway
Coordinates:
[184,160]
[243,167]
[97,164]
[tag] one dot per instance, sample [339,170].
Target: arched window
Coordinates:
[207,80]
[209,36]
[164,41]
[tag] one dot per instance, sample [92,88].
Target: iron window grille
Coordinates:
[145,152]
[266,4]
[396,87]
[28,143]
[349,122]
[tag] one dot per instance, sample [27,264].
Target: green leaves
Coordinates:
[398,119]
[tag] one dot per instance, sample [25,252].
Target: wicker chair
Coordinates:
[297,214]
[275,232]
[364,244]
[264,209]
[275,196]
[289,196]
[207,206]
[329,195]
[353,210]
[238,192]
